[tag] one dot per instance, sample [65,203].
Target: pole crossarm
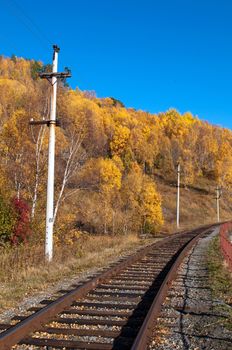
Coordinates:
[45,122]
[50,75]
[61,75]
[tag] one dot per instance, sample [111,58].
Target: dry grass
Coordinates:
[197,205]
[220,281]
[23,270]
[220,275]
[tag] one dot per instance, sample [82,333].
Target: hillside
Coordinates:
[122,158]
[197,204]
[115,179]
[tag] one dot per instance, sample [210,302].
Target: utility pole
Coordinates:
[218,196]
[52,77]
[178,197]
[51,161]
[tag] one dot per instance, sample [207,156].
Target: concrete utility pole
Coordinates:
[51,162]
[178,197]
[218,196]
[52,123]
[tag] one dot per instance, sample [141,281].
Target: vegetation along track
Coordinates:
[115,309]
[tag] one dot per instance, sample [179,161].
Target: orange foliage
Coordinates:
[106,155]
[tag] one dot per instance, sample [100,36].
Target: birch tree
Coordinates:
[73,157]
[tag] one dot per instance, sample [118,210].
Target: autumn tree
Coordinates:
[108,157]
[100,180]
[141,202]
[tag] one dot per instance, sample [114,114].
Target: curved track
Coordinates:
[115,309]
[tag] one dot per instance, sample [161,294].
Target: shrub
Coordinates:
[7,220]
[22,230]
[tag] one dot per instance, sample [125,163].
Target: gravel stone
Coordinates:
[190,318]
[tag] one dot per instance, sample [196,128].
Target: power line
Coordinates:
[41,34]
[18,12]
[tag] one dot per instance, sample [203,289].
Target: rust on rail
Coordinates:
[111,287]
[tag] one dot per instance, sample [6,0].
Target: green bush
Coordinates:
[7,220]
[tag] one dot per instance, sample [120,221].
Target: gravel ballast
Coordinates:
[190,317]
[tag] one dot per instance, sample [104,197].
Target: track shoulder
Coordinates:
[190,317]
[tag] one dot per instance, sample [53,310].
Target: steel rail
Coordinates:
[35,322]
[14,334]
[142,340]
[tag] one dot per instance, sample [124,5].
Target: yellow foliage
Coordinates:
[15,131]
[101,175]
[110,175]
[120,140]
[177,125]
[108,153]
[151,205]
[142,200]
[118,161]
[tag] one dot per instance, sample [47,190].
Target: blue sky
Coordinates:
[150,54]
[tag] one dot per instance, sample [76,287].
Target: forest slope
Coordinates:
[115,166]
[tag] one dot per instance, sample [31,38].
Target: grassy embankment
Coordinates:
[220,281]
[23,271]
[197,204]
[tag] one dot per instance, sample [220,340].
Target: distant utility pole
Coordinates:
[52,77]
[178,197]
[218,196]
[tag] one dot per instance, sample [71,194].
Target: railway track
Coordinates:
[115,309]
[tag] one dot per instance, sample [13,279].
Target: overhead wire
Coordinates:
[33,23]
[18,12]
